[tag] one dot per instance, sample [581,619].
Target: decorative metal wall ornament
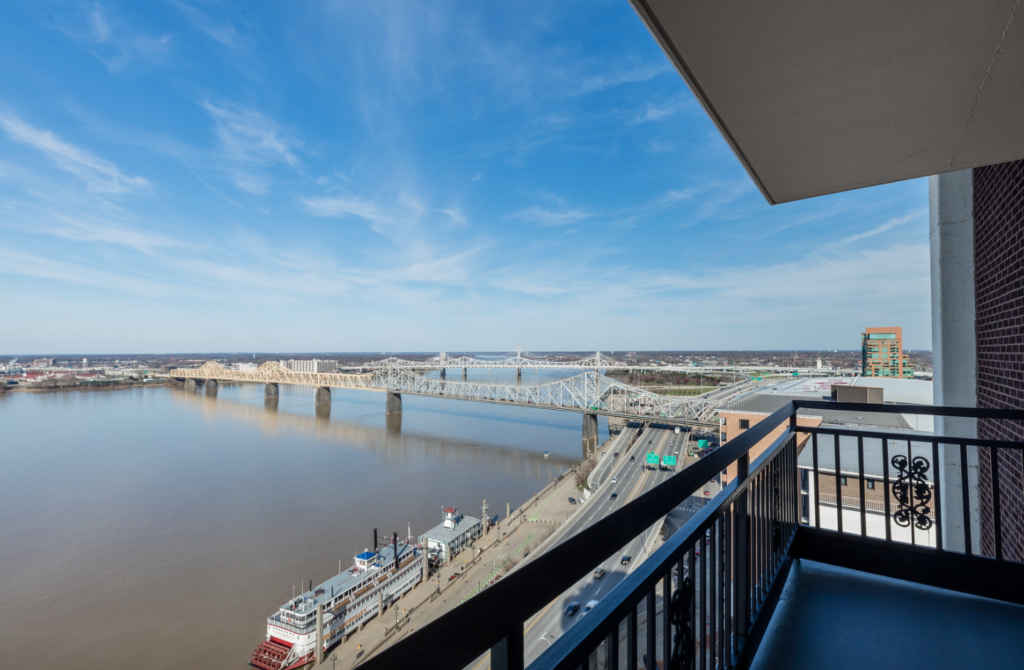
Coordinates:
[912,492]
[682,649]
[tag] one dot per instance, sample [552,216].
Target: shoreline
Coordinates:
[18,388]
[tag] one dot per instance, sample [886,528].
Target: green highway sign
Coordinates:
[668,461]
[652,458]
[702,444]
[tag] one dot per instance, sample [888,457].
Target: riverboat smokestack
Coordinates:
[394,545]
[375,540]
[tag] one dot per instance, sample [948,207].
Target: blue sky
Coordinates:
[328,176]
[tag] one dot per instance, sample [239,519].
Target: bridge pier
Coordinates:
[519,375]
[271,390]
[443,375]
[191,385]
[393,423]
[323,395]
[394,403]
[465,374]
[589,434]
[211,387]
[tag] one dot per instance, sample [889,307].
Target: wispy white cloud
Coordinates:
[884,228]
[456,215]
[114,45]
[97,173]
[659,111]
[344,206]
[249,140]
[551,217]
[223,32]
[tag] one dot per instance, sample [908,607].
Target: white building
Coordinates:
[456,532]
[314,365]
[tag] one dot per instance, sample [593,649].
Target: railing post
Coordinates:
[508,654]
[742,550]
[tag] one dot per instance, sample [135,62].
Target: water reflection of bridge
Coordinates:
[589,392]
[388,440]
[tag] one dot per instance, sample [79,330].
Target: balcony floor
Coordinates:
[829,617]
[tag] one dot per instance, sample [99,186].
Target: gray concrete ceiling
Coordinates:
[819,96]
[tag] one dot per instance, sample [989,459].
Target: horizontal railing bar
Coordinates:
[894,408]
[487,617]
[912,437]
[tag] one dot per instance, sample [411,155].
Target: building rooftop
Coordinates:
[849,463]
[766,403]
[462,524]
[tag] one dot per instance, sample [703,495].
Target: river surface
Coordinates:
[156,528]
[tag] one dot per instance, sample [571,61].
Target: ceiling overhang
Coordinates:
[817,96]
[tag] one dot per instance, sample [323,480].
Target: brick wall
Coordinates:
[731,430]
[999,327]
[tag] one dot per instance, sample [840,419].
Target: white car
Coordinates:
[615,480]
[591,605]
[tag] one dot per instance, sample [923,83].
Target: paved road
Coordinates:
[631,479]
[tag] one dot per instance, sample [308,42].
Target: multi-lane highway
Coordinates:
[627,480]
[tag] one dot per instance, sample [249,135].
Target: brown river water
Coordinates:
[154,528]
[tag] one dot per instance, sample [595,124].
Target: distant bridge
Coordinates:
[597,362]
[589,393]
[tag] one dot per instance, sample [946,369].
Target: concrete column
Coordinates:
[380,603]
[271,390]
[519,375]
[211,387]
[323,395]
[465,374]
[954,345]
[191,385]
[394,403]
[319,633]
[443,375]
[393,423]
[589,434]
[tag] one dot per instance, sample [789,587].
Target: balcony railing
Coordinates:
[704,598]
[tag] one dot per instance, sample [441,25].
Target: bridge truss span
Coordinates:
[588,392]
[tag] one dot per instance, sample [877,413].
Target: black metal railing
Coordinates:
[703,599]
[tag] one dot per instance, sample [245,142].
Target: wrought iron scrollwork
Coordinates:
[912,492]
[682,649]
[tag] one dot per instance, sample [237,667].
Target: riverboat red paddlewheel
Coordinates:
[269,655]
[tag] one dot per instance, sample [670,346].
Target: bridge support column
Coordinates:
[323,395]
[394,404]
[465,374]
[211,387]
[589,434]
[191,385]
[271,390]
[443,375]
[519,375]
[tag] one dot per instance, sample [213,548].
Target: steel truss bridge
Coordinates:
[588,392]
[520,359]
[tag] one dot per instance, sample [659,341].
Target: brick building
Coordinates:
[998,194]
[882,354]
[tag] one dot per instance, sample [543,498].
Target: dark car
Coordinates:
[572,501]
[626,559]
[632,458]
[570,608]
[615,454]
[614,496]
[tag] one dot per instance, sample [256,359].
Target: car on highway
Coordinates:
[615,454]
[614,496]
[570,608]
[599,573]
[626,559]
[590,605]
[615,480]
[632,458]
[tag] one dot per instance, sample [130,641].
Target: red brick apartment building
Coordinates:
[882,354]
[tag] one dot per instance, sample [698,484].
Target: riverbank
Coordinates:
[490,558]
[88,387]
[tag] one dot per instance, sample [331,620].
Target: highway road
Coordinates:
[627,480]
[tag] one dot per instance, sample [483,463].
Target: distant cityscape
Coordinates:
[881,355]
